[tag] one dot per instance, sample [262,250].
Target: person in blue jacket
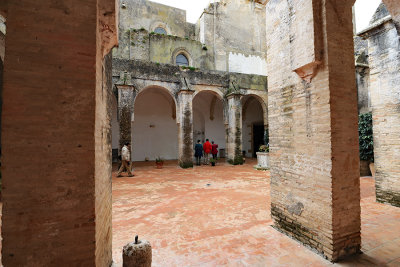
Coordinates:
[198,152]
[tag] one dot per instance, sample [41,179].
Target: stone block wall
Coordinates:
[164,49]
[384,51]
[315,188]
[236,30]
[138,18]
[159,48]
[137,14]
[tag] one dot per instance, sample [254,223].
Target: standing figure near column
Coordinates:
[198,152]
[207,150]
[126,160]
[214,150]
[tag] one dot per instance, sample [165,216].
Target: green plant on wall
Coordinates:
[266,137]
[366,140]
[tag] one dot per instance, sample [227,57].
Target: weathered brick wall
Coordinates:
[2,49]
[55,165]
[2,45]
[384,50]
[313,128]
[103,165]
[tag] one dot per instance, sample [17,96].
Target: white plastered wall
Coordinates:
[154,130]
[247,64]
[253,115]
[214,129]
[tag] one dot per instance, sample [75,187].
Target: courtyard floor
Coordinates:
[220,216]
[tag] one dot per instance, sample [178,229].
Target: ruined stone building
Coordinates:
[378,77]
[177,82]
[57,100]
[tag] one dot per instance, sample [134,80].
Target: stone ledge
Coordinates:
[171,73]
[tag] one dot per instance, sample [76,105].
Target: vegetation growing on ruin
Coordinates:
[238,160]
[188,68]
[366,140]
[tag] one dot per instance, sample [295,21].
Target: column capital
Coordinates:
[124,86]
[186,91]
[234,94]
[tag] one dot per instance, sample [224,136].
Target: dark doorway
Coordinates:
[258,137]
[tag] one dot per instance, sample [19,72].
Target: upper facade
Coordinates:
[222,39]
[236,32]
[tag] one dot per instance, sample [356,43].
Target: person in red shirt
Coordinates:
[214,150]
[207,150]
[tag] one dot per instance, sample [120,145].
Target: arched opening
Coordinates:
[160,30]
[182,60]
[208,121]
[253,126]
[154,129]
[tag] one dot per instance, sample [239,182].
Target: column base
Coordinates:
[186,164]
[387,197]
[238,160]
[288,225]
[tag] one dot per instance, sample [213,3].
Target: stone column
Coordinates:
[126,101]
[312,106]
[234,129]
[185,128]
[56,167]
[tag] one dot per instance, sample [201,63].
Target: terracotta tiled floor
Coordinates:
[220,216]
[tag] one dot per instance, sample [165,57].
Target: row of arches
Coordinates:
[154,131]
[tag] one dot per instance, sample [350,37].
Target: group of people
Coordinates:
[204,150]
[201,150]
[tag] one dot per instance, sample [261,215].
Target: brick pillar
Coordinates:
[384,54]
[56,133]
[315,187]
[234,129]
[185,128]
[126,101]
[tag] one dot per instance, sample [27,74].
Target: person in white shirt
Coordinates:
[126,160]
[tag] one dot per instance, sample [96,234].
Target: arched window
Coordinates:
[182,60]
[160,30]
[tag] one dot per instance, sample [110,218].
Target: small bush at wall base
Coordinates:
[238,160]
[366,140]
[186,165]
